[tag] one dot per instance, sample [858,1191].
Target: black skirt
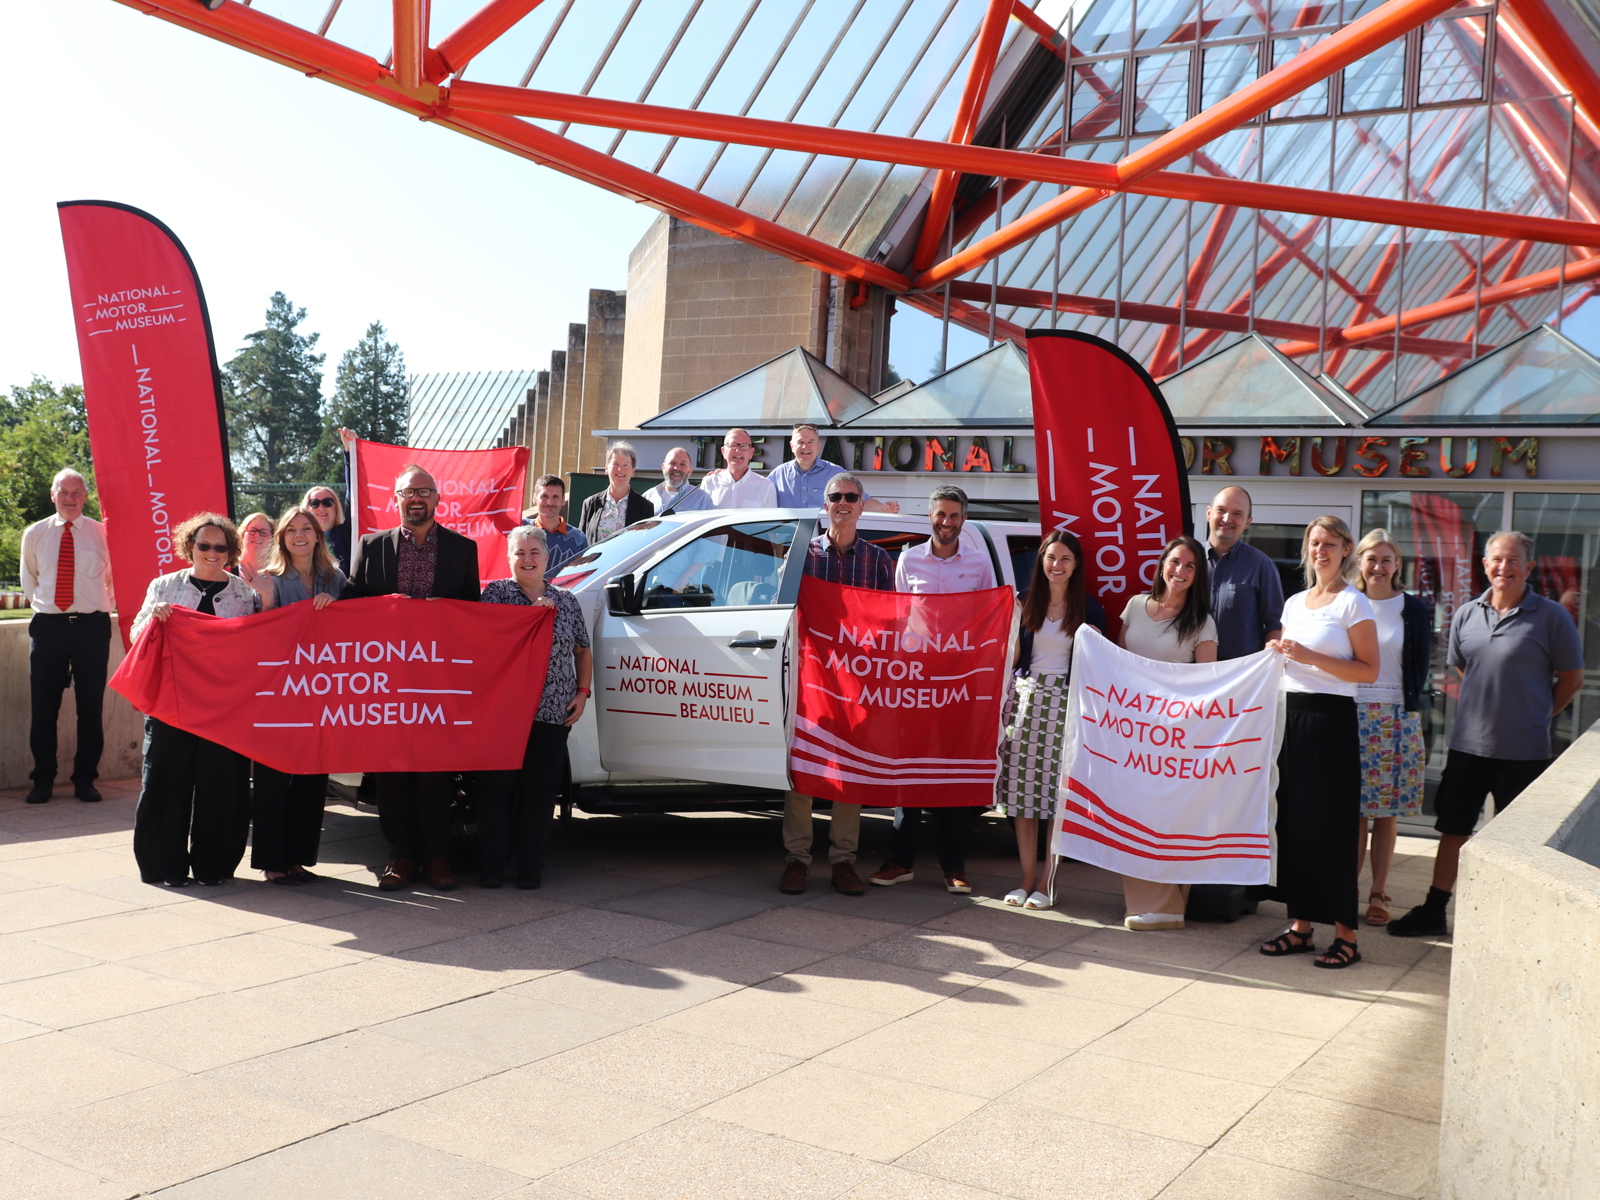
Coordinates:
[1319,808]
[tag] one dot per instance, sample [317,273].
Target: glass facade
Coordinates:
[1565,528]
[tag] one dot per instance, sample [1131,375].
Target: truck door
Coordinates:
[694,686]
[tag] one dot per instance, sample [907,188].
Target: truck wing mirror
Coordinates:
[622,597]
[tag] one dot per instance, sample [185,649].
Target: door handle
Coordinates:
[753,643]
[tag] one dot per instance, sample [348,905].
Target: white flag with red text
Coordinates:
[1170,769]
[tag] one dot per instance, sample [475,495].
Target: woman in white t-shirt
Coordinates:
[1329,642]
[1171,624]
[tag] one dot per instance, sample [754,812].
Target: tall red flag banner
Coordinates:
[899,695]
[1169,772]
[150,384]
[480,493]
[1110,467]
[384,683]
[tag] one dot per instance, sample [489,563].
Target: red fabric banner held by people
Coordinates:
[480,493]
[1110,464]
[385,683]
[899,696]
[150,385]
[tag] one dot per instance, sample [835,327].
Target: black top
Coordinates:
[1416,651]
[209,589]
[375,571]
[638,508]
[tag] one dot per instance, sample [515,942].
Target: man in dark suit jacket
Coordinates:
[613,510]
[422,559]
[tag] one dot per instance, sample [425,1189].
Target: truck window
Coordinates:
[1022,550]
[736,566]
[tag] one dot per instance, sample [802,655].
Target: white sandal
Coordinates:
[1037,901]
[1017,898]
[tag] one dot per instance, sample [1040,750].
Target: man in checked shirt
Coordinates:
[838,556]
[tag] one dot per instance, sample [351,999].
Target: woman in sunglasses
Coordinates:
[324,504]
[194,805]
[286,810]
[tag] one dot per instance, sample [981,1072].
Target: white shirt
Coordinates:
[753,491]
[1052,650]
[1327,631]
[1389,689]
[967,570]
[664,498]
[91,578]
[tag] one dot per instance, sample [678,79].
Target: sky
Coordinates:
[473,258]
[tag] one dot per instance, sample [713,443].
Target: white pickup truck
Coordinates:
[692,616]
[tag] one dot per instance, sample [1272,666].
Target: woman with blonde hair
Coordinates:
[1388,713]
[1329,643]
[255,546]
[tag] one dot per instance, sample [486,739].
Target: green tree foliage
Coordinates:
[273,394]
[370,398]
[42,429]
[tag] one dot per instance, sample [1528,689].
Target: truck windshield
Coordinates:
[602,557]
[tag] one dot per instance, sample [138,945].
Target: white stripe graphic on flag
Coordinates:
[812,729]
[803,749]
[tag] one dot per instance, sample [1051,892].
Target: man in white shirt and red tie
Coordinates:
[66,576]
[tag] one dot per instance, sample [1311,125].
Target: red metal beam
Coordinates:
[965,315]
[984,53]
[1004,164]
[1052,40]
[1545,31]
[410,40]
[479,31]
[1370,372]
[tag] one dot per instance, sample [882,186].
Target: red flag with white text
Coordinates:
[480,493]
[150,385]
[899,695]
[384,683]
[1110,464]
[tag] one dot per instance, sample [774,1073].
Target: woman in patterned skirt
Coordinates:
[1388,713]
[1054,606]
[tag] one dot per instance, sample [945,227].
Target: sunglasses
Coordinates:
[210,548]
[325,502]
[843,497]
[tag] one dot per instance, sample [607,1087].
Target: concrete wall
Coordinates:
[647,317]
[124,727]
[1522,1063]
[603,348]
[572,432]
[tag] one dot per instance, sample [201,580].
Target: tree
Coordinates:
[371,398]
[273,394]
[42,429]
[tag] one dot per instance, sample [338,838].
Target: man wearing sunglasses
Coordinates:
[739,486]
[838,556]
[942,564]
[422,559]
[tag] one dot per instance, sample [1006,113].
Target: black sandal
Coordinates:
[1290,941]
[1340,955]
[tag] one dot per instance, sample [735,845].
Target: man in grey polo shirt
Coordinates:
[1246,592]
[1521,662]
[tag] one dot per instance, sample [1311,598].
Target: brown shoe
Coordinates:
[793,880]
[847,881]
[892,873]
[957,882]
[440,877]
[396,874]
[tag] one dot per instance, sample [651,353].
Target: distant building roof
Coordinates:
[1541,378]
[1251,383]
[793,388]
[467,410]
[990,389]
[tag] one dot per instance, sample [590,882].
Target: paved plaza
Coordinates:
[660,1022]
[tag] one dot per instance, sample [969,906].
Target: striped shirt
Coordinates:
[861,564]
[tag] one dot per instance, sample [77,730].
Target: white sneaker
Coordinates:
[1148,921]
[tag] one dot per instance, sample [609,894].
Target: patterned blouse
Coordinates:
[570,634]
[415,564]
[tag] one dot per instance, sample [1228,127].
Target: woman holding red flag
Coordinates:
[514,807]
[1173,623]
[194,802]
[1055,605]
[286,810]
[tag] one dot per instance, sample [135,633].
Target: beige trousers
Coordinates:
[844,831]
[1141,896]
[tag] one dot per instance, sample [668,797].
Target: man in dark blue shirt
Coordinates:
[1246,592]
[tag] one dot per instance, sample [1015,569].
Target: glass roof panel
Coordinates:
[1251,383]
[465,411]
[791,388]
[1539,379]
[992,389]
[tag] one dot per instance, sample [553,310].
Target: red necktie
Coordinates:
[66,569]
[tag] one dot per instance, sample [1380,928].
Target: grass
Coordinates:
[15,614]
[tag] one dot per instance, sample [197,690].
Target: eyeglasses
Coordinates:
[258,533]
[738,445]
[415,493]
[325,502]
[209,548]
[843,497]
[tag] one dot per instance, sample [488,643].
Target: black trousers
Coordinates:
[514,807]
[68,649]
[1319,807]
[194,807]
[414,813]
[285,819]
[951,829]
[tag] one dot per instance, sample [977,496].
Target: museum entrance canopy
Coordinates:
[1383,191]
